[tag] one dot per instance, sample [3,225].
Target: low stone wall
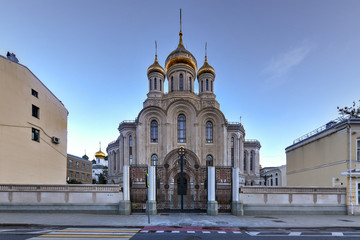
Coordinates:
[80,198]
[292,200]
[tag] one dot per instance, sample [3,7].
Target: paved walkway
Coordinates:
[180,220]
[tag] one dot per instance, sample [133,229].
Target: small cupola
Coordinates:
[156,76]
[206,76]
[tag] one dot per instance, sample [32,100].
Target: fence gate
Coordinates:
[223,191]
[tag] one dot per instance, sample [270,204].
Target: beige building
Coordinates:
[182,116]
[319,157]
[79,169]
[33,128]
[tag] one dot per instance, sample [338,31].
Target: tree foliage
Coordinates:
[352,112]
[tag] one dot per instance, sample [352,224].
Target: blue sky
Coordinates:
[283,66]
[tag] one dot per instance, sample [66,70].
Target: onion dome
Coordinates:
[180,56]
[100,154]
[155,67]
[206,68]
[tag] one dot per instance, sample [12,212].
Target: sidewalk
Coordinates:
[179,220]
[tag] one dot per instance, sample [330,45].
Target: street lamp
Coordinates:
[181,152]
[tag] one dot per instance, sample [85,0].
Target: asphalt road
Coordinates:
[166,233]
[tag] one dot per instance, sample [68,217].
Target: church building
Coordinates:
[182,117]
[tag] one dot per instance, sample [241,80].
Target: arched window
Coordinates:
[114,161]
[209,132]
[190,87]
[251,161]
[154,160]
[181,83]
[155,83]
[202,85]
[207,84]
[130,150]
[150,84]
[212,86]
[244,163]
[154,131]
[160,85]
[172,84]
[232,151]
[209,160]
[181,128]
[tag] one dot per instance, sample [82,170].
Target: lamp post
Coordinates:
[181,152]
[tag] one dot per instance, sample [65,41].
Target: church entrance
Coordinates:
[169,192]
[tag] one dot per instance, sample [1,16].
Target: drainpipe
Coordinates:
[351,203]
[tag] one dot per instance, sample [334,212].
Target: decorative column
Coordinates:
[125,204]
[212,208]
[151,202]
[236,204]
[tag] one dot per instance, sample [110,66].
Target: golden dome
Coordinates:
[180,56]
[100,154]
[155,67]
[206,68]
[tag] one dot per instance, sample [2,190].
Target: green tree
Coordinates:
[352,112]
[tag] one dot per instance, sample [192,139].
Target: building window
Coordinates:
[154,160]
[190,87]
[70,163]
[150,86]
[34,93]
[83,176]
[82,165]
[114,160]
[232,151]
[71,174]
[154,131]
[77,175]
[160,85]
[202,85]
[181,83]
[155,83]
[212,85]
[207,84]
[88,177]
[209,161]
[172,83]
[209,132]
[35,111]
[358,192]
[181,128]
[251,161]
[87,167]
[358,149]
[130,150]
[276,181]
[35,134]
[244,162]
[77,165]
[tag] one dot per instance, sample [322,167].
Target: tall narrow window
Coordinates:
[130,150]
[35,134]
[181,128]
[160,85]
[202,85]
[212,86]
[251,160]
[209,132]
[181,83]
[190,87]
[114,161]
[358,193]
[150,85]
[232,151]
[358,150]
[172,84]
[207,84]
[154,131]
[155,83]
[244,161]
[35,111]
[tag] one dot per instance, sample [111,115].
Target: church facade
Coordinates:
[182,118]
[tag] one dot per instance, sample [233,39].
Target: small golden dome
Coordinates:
[155,67]
[180,56]
[206,68]
[100,154]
